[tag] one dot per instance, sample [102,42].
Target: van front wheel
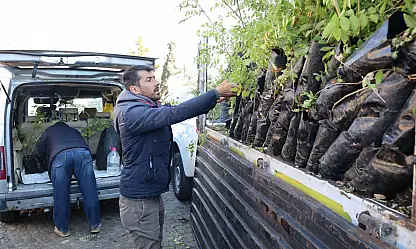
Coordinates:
[182,185]
[8,216]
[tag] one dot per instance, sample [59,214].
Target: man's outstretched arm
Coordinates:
[142,118]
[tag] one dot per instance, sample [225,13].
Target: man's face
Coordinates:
[147,86]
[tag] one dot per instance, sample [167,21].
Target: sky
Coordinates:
[98,26]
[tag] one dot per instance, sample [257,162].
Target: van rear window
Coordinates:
[78,103]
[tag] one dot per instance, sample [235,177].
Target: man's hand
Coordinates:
[225,89]
[222,99]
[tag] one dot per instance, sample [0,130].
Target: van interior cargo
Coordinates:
[85,107]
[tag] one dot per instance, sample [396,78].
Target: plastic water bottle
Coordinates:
[113,162]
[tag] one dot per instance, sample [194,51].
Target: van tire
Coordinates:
[182,185]
[8,216]
[109,137]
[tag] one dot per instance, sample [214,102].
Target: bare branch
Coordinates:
[213,26]
[238,14]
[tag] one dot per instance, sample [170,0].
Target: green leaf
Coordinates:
[371,85]
[363,21]
[326,49]
[331,26]
[359,43]
[349,13]
[374,18]
[379,76]
[245,94]
[322,42]
[317,38]
[305,27]
[320,24]
[372,10]
[383,8]
[337,34]
[329,29]
[328,55]
[354,23]
[308,33]
[311,7]
[365,82]
[410,21]
[344,37]
[345,24]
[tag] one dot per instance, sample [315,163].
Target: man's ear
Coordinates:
[134,89]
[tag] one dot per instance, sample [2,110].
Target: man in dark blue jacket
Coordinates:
[146,138]
[68,154]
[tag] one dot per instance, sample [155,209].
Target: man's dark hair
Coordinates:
[131,77]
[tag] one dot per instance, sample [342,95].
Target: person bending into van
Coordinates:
[146,139]
[68,154]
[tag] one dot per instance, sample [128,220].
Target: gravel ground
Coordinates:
[36,231]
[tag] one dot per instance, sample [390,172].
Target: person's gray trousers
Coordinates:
[144,219]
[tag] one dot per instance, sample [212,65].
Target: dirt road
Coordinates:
[36,231]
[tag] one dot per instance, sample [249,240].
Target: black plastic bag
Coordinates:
[376,52]
[236,115]
[283,121]
[339,157]
[384,171]
[401,134]
[290,84]
[365,157]
[406,59]
[328,97]
[277,142]
[345,112]
[248,111]
[238,130]
[379,110]
[315,65]
[276,64]
[306,137]
[324,138]
[34,164]
[289,148]
[251,133]
[272,117]
[333,64]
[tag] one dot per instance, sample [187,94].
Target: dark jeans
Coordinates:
[78,162]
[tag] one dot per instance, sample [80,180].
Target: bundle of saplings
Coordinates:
[251,133]
[238,129]
[321,111]
[387,170]
[276,64]
[308,83]
[289,84]
[247,113]
[382,170]
[347,105]
[308,129]
[236,115]
[401,134]
[375,116]
[281,127]
[325,136]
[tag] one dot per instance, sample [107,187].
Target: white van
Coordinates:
[40,87]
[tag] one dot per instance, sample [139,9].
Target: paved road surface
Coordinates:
[37,231]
